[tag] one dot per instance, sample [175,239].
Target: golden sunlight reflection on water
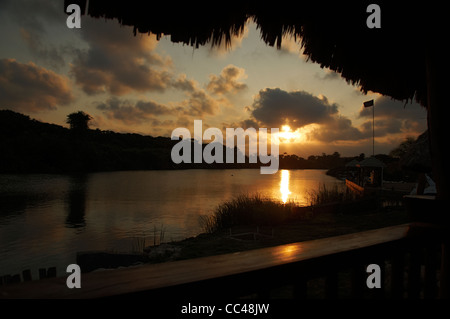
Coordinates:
[49,218]
[284,186]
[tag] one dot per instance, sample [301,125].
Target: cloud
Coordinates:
[198,102]
[118,62]
[337,128]
[227,81]
[276,107]
[245,124]
[50,55]
[392,122]
[150,107]
[34,15]
[299,109]
[329,75]
[145,116]
[383,126]
[387,107]
[184,84]
[132,112]
[28,87]
[315,116]
[201,102]
[36,22]
[393,116]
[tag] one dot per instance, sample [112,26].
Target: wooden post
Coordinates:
[358,280]
[437,118]
[26,275]
[300,287]
[397,273]
[42,273]
[430,284]
[15,278]
[444,292]
[380,293]
[47,273]
[331,285]
[414,274]
[51,272]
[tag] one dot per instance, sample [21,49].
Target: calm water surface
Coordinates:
[46,219]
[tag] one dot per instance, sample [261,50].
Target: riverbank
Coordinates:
[239,238]
[324,221]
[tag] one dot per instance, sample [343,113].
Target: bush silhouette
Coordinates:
[79,121]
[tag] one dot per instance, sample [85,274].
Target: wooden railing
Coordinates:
[334,267]
[26,276]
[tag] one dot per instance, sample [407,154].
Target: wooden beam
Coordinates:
[154,276]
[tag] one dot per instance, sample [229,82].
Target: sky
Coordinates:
[141,85]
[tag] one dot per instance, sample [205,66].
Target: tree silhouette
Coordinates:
[403,148]
[79,121]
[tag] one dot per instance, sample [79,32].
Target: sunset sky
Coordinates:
[138,84]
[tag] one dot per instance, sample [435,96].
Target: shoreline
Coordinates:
[322,224]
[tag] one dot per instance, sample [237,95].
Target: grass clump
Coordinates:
[139,244]
[330,194]
[247,210]
[257,210]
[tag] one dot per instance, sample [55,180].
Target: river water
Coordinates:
[46,219]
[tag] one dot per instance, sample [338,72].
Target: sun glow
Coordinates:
[286,135]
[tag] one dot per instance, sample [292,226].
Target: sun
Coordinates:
[286,135]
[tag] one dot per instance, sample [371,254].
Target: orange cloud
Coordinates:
[28,87]
[227,81]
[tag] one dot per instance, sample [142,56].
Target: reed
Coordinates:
[158,236]
[246,210]
[330,194]
[257,210]
[138,244]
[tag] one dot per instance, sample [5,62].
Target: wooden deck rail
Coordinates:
[407,254]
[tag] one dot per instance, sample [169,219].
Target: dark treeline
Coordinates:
[324,161]
[335,164]
[31,146]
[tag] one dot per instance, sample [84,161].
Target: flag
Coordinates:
[368,103]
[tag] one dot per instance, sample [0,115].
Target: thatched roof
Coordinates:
[371,162]
[352,163]
[389,60]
